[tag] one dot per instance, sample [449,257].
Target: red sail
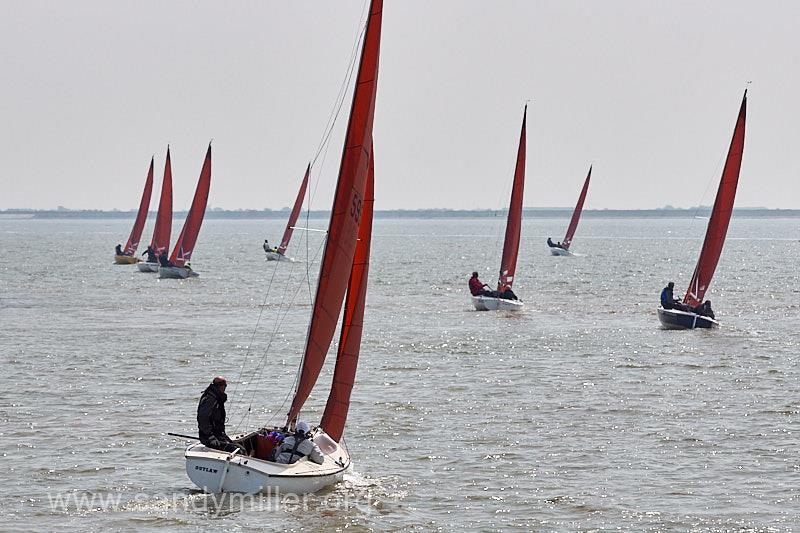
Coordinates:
[141,216]
[298,204]
[720,215]
[576,215]
[163,229]
[348,204]
[514,224]
[182,252]
[344,374]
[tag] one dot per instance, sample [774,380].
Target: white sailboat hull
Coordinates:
[487,303]
[560,252]
[147,267]
[275,256]
[217,471]
[176,272]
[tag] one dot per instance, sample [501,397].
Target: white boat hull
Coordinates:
[275,256]
[674,319]
[216,471]
[176,272]
[487,303]
[560,252]
[147,267]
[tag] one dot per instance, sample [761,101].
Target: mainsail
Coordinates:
[298,204]
[141,216]
[184,246]
[163,228]
[344,374]
[508,265]
[720,215]
[576,215]
[346,213]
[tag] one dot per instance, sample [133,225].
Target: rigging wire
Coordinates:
[322,149]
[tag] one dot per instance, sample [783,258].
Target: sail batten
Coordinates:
[298,205]
[346,213]
[184,246]
[163,227]
[508,264]
[576,214]
[720,214]
[141,215]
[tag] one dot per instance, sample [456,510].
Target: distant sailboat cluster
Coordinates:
[177,265]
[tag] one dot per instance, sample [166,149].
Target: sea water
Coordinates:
[578,413]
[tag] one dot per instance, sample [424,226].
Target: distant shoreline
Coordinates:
[529,212]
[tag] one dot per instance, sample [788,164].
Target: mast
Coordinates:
[298,204]
[346,213]
[508,264]
[141,216]
[576,215]
[184,246]
[720,214]
[344,374]
[163,227]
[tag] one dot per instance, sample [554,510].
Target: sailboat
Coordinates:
[163,228]
[182,253]
[715,237]
[128,257]
[279,253]
[508,264]
[343,273]
[562,248]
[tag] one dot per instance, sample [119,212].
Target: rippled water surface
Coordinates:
[579,413]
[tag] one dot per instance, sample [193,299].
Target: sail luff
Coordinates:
[298,205]
[141,215]
[508,264]
[337,261]
[344,374]
[184,246]
[576,215]
[720,214]
[163,228]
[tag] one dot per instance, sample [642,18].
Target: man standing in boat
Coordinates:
[211,417]
[151,255]
[118,250]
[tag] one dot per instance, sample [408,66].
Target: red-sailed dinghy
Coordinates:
[128,255]
[279,253]
[163,227]
[693,317]
[342,281]
[182,253]
[562,248]
[508,264]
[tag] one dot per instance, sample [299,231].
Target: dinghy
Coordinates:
[562,248]
[508,264]
[163,227]
[179,260]
[343,274]
[128,256]
[715,236]
[279,253]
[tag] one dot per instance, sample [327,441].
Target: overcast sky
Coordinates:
[646,90]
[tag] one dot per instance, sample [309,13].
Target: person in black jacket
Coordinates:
[211,417]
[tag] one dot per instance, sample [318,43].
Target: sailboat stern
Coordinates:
[487,303]
[217,471]
[560,252]
[125,260]
[674,319]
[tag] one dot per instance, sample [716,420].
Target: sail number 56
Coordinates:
[355,209]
